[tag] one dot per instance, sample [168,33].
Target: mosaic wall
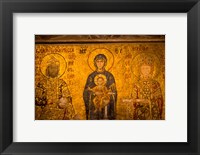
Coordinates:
[100,80]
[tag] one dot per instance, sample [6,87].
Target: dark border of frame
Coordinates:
[8,7]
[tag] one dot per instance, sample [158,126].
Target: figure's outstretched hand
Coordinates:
[106,101]
[127,100]
[135,100]
[62,103]
[111,93]
[142,100]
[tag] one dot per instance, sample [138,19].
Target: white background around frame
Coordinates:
[173,129]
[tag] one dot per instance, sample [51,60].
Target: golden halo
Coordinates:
[100,76]
[53,58]
[106,52]
[139,59]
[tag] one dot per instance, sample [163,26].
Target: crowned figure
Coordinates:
[53,100]
[146,95]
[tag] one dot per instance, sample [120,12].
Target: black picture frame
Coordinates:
[8,7]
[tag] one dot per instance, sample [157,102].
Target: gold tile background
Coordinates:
[124,69]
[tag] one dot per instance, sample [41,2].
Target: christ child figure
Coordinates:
[101,92]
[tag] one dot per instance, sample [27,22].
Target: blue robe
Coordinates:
[88,97]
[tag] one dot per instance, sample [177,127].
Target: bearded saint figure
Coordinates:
[53,100]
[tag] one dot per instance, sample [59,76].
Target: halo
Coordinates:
[137,60]
[106,52]
[59,60]
[100,76]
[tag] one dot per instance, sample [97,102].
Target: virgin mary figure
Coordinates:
[108,111]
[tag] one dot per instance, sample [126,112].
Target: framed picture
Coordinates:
[102,77]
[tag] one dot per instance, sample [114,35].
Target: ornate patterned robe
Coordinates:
[109,111]
[47,98]
[151,91]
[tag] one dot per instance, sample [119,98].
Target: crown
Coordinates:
[146,60]
[53,61]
